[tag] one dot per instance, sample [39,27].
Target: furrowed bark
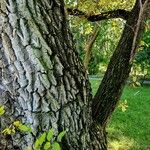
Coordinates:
[44,83]
[118,70]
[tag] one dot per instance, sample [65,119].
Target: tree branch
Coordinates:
[119,13]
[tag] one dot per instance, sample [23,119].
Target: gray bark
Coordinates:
[43,81]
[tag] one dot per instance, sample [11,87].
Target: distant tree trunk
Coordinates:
[44,83]
[89,45]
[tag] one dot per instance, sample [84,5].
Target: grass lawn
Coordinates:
[130,130]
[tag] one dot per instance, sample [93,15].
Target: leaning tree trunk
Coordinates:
[118,70]
[43,81]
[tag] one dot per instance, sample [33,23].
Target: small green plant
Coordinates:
[2,110]
[123,105]
[46,141]
[16,126]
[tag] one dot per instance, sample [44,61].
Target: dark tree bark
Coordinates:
[119,13]
[45,85]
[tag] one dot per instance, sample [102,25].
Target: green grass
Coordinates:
[130,130]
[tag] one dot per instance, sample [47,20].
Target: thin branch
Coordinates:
[119,13]
[142,8]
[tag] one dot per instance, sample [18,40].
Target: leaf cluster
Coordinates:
[46,141]
[16,126]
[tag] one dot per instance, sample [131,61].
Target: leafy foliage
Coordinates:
[61,135]
[143,56]
[100,5]
[47,141]
[2,110]
[50,135]
[123,105]
[44,142]
[141,67]
[109,34]
[16,126]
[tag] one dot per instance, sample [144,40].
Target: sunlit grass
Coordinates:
[118,141]
[123,143]
[130,130]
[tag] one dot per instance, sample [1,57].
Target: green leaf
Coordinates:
[17,123]
[13,129]
[47,146]
[60,136]
[2,110]
[50,134]
[88,30]
[29,148]
[24,128]
[56,146]
[42,138]
[123,105]
[138,83]
[37,145]
[6,131]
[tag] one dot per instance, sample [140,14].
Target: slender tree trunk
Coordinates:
[89,45]
[43,81]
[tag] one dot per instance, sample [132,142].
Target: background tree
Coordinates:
[143,56]
[89,45]
[99,47]
[44,83]
[107,39]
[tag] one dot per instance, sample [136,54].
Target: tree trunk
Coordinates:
[89,45]
[44,83]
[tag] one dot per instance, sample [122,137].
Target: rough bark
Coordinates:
[118,70]
[89,45]
[44,83]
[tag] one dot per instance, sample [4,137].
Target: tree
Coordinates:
[89,45]
[44,83]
